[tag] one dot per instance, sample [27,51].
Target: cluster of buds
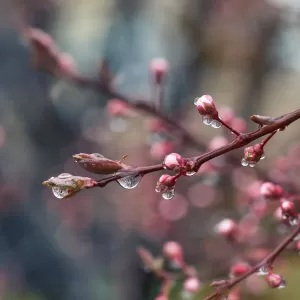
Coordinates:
[66,185]
[207,109]
[252,155]
[166,186]
[176,163]
[271,191]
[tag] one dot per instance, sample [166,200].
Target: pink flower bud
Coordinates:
[271,191]
[205,106]
[173,251]
[252,155]
[173,162]
[275,281]
[159,69]
[287,207]
[239,269]
[191,285]
[227,228]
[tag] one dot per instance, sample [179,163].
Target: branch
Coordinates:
[268,261]
[239,142]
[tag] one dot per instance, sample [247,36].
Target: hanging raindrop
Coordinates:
[252,165]
[282,284]
[207,120]
[169,194]
[263,157]
[60,192]
[294,221]
[244,162]
[130,182]
[263,271]
[64,175]
[215,124]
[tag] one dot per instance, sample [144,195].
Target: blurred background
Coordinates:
[243,53]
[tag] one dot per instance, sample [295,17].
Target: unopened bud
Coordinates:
[192,285]
[227,228]
[173,162]
[97,163]
[271,191]
[275,281]
[173,252]
[252,155]
[239,269]
[159,69]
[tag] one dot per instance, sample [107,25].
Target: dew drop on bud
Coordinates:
[207,120]
[251,165]
[262,271]
[158,189]
[64,175]
[169,194]
[282,284]
[60,192]
[130,182]
[197,101]
[263,157]
[294,221]
[215,124]
[244,162]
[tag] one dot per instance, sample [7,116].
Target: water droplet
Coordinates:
[282,284]
[190,173]
[215,124]
[158,189]
[60,192]
[252,165]
[130,182]
[197,101]
[64,175]
[263,271]
[294,221]
[207,120]
[263,157]
[244,162]
[169,194]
